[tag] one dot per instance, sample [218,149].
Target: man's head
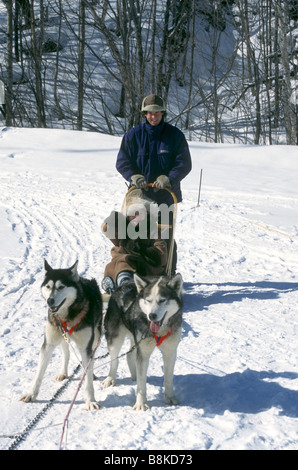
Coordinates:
[153,108]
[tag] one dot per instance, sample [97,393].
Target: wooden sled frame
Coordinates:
[172,239]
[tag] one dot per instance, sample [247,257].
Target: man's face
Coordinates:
[154,117]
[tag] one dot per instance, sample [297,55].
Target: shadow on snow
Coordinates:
[249,391]
[229,292]
[242,392]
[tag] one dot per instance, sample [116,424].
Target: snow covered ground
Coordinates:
[236,374]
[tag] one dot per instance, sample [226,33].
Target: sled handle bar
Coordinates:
[148,185]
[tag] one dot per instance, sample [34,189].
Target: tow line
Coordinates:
[23,435]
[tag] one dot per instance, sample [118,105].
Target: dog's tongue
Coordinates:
[154,326]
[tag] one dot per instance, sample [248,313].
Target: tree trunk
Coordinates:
[36,56]
[288,106]
[9,64]
[81,60]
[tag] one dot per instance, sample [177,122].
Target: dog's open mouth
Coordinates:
[154,326]
[56,308]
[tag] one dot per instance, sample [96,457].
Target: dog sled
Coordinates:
[169,227]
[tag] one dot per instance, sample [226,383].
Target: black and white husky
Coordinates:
[75,313]
[150,313]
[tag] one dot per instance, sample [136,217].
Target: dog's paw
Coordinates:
[140,406]
[108,382]
[61,377]
[171,400]
[28,398]
[92,405]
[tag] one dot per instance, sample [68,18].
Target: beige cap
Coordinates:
[153,103]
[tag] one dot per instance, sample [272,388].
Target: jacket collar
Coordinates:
[154,130]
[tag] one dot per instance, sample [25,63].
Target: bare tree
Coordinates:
[60,113]
[81,61]
[36,56]
[9,64]
[117,51]
[282,12]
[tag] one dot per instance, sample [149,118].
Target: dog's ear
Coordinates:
[139,282]
[176,283]
[47,267]
[74,271]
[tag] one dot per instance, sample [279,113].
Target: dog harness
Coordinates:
[160,339]
[64,324]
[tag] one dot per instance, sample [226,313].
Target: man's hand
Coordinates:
[162,182]
[138,181]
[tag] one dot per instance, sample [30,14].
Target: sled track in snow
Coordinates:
[20,438]
[50,226]
[46,223]
[234,272]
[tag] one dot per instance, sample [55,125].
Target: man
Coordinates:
[155,152]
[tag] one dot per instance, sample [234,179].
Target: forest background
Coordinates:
[226,69]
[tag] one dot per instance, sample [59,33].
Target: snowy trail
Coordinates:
[236,374]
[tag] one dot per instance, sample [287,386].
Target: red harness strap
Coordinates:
[64,324]
[160,339]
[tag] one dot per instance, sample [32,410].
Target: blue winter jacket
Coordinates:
[153,151]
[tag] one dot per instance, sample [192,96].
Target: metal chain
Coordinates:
[22,436]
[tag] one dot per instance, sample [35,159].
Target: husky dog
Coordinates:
[75,312]
[150,313]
